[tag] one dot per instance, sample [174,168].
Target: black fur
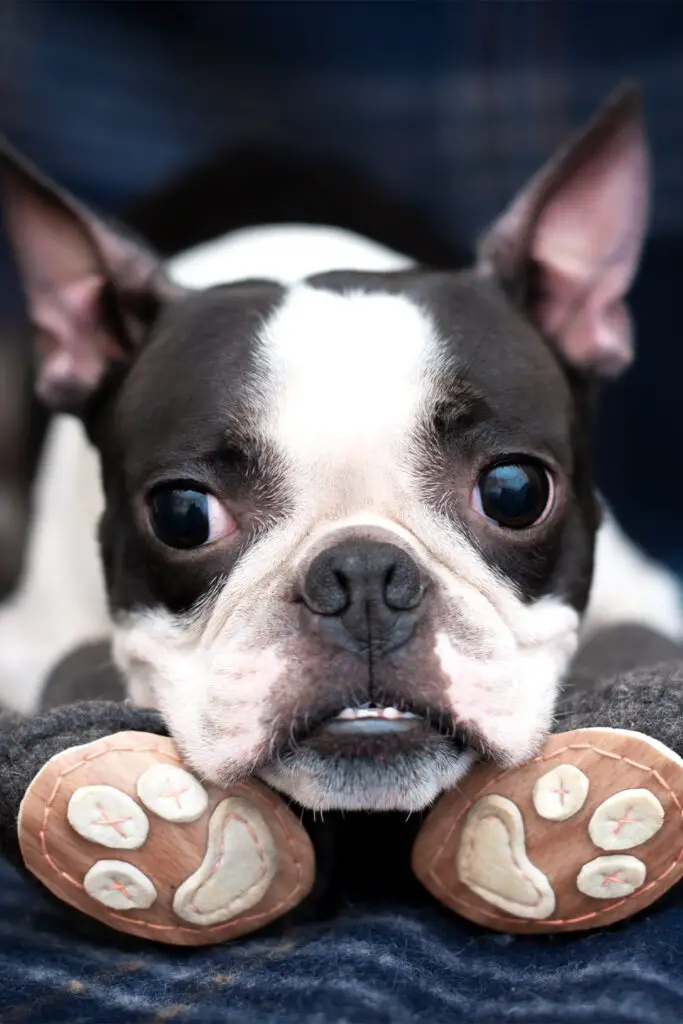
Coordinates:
[183,412]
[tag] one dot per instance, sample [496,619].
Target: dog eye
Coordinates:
[185,518]
[514,495]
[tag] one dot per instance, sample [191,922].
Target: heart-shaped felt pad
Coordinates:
[493,863]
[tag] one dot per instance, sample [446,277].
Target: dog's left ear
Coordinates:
[569,245]
[92,291]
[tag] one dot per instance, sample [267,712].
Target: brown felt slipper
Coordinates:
[123,831]
[587,833]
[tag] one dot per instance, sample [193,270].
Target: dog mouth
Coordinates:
[392,755]
[379,729]
[372,720]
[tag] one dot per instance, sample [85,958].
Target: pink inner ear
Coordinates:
[66,255]
[588,321]
[76,348]
[586,245]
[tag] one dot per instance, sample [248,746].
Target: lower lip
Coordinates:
[371,726]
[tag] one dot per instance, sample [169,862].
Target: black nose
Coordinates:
[371,589]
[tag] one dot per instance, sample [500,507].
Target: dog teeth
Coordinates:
[353,714]
[371,721]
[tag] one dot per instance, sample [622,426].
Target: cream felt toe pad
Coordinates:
[119,885]
[606,877]
[124,832]
[537,848]
[108,817]
[172,793]
[561,792]
[627,819]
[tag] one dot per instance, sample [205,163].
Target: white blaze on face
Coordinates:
[350,376]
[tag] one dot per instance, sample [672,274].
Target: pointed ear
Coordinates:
[568,247]
[92,291]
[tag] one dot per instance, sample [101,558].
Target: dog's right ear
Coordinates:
[567,248]
[92,291]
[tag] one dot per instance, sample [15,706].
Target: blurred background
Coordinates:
[411,122]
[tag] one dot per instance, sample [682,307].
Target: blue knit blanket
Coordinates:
[372,965]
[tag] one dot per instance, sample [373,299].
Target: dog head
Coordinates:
[349,524]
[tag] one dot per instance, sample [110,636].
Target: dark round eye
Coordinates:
[184,518]
[514,495]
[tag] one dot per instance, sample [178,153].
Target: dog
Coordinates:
[347,520]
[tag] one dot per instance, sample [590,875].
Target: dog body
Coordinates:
[348,529]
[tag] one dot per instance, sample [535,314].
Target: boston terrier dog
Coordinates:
[349,524]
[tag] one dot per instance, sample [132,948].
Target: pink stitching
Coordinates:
[620,822]
[543,758]
[112,822]
[562,793]
[298,887]
[120,887]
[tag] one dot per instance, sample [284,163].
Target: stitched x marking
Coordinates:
[561,792]
[176,794]
[116,823]
[606,879]
[120,887]
[620,822]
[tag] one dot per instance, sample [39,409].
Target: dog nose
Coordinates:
[372,588]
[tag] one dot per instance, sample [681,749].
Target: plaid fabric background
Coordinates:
[449,106]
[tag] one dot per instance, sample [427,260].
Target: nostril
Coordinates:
[326,589]
[403,585]
[342,582]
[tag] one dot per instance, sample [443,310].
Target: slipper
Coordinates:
[122,830]
[585,834]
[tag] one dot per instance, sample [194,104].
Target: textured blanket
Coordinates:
[367,959]
[371,966]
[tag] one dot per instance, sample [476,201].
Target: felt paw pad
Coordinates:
[585,834]
[124,832]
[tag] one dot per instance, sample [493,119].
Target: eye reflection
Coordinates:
[185,518]
[516,495]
